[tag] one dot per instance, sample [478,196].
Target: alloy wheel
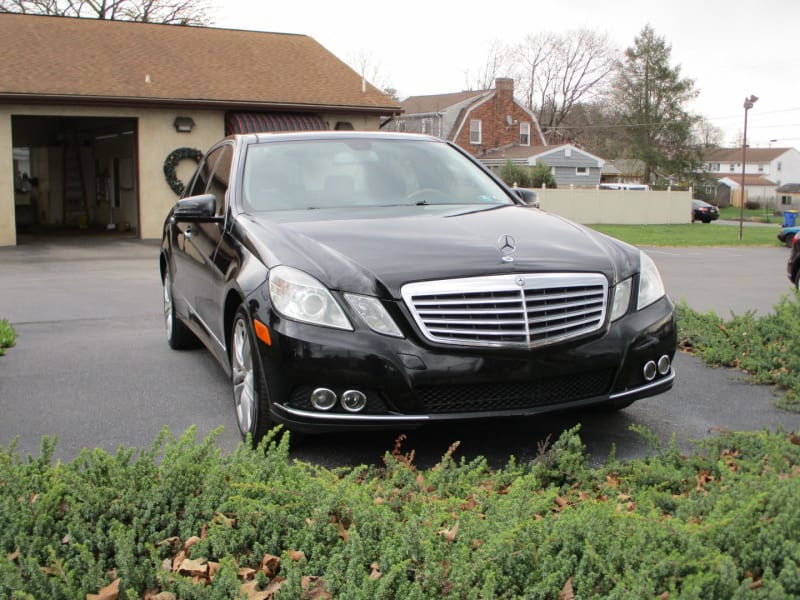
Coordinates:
[168,314]
[243,377]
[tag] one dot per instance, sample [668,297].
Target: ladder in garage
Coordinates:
[76,202]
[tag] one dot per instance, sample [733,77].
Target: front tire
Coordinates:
[250,395]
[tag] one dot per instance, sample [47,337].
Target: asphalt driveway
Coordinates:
[92,366]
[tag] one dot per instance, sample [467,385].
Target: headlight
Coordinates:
[651,288]
[622,298]
[299,296]
[371,310]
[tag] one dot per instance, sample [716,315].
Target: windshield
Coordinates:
[308,174]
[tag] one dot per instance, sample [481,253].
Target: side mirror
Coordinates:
[528,197]
[196,209]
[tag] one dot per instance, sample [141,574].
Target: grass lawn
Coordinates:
[691,234]
[763,215]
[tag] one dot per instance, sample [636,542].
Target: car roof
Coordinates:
[330,135]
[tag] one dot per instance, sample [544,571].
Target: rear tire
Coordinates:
[179,336]
[250,391]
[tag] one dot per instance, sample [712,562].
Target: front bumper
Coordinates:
[407,382]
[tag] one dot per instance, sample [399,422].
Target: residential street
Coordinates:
[92,367]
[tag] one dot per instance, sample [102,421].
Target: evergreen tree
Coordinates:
[649,97]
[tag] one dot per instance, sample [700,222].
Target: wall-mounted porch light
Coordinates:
[184,124]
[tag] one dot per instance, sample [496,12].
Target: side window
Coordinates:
[222,159]
[199,181]
[524,134]
[475,131]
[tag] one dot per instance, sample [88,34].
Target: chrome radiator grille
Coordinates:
[523,310]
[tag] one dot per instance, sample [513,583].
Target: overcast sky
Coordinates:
[731,49]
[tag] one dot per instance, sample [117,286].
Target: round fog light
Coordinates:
[663,365]
[649,370]
[323,399]
[353,401]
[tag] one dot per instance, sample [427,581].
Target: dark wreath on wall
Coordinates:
[171,163]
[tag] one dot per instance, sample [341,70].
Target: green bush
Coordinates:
[516,175]
[767,347]
[7,336]
[185,521]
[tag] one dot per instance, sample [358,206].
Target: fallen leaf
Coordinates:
[664,596]
[221,519]
[110,592]
[251,591]
[13,556]
[703,477]
[66,539]
[170,541]
[194,568]
[159,596]
[375,571]
[189,543]
[450,534]
[794,439]
[470,504]
[567,593]
[213,567]
[343,534]
[179,558]
[315,587]
[270,565]
[296,555]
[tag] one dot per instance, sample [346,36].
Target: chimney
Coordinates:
[504,86]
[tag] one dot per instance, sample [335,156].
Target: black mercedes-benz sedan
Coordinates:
[349,279]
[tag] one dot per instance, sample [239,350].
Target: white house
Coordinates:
[766,169]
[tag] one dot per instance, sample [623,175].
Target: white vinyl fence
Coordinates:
[618,207]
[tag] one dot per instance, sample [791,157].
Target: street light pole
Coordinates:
[748,104]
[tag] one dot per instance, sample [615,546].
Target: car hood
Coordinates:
[377,250]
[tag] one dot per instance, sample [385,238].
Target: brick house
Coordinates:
[477,121]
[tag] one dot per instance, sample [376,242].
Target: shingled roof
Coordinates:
[754,155]
[69,60]
[439,102]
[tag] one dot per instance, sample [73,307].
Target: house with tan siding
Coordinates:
[100,121]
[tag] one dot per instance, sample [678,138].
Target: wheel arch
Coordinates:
[233,300]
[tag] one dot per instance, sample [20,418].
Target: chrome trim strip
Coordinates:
[350,417]
[196,317]
[656,383]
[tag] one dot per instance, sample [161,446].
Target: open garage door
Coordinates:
[75,174]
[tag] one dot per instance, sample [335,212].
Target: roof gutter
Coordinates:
[186,103]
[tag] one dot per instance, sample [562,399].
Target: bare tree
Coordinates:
[707,134]
[174,12]
[496,65]
[365,64]
[556,72]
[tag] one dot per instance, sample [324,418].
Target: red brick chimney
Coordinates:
[504,86]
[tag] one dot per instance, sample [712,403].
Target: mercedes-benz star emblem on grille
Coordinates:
[521,281]
[507,244]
